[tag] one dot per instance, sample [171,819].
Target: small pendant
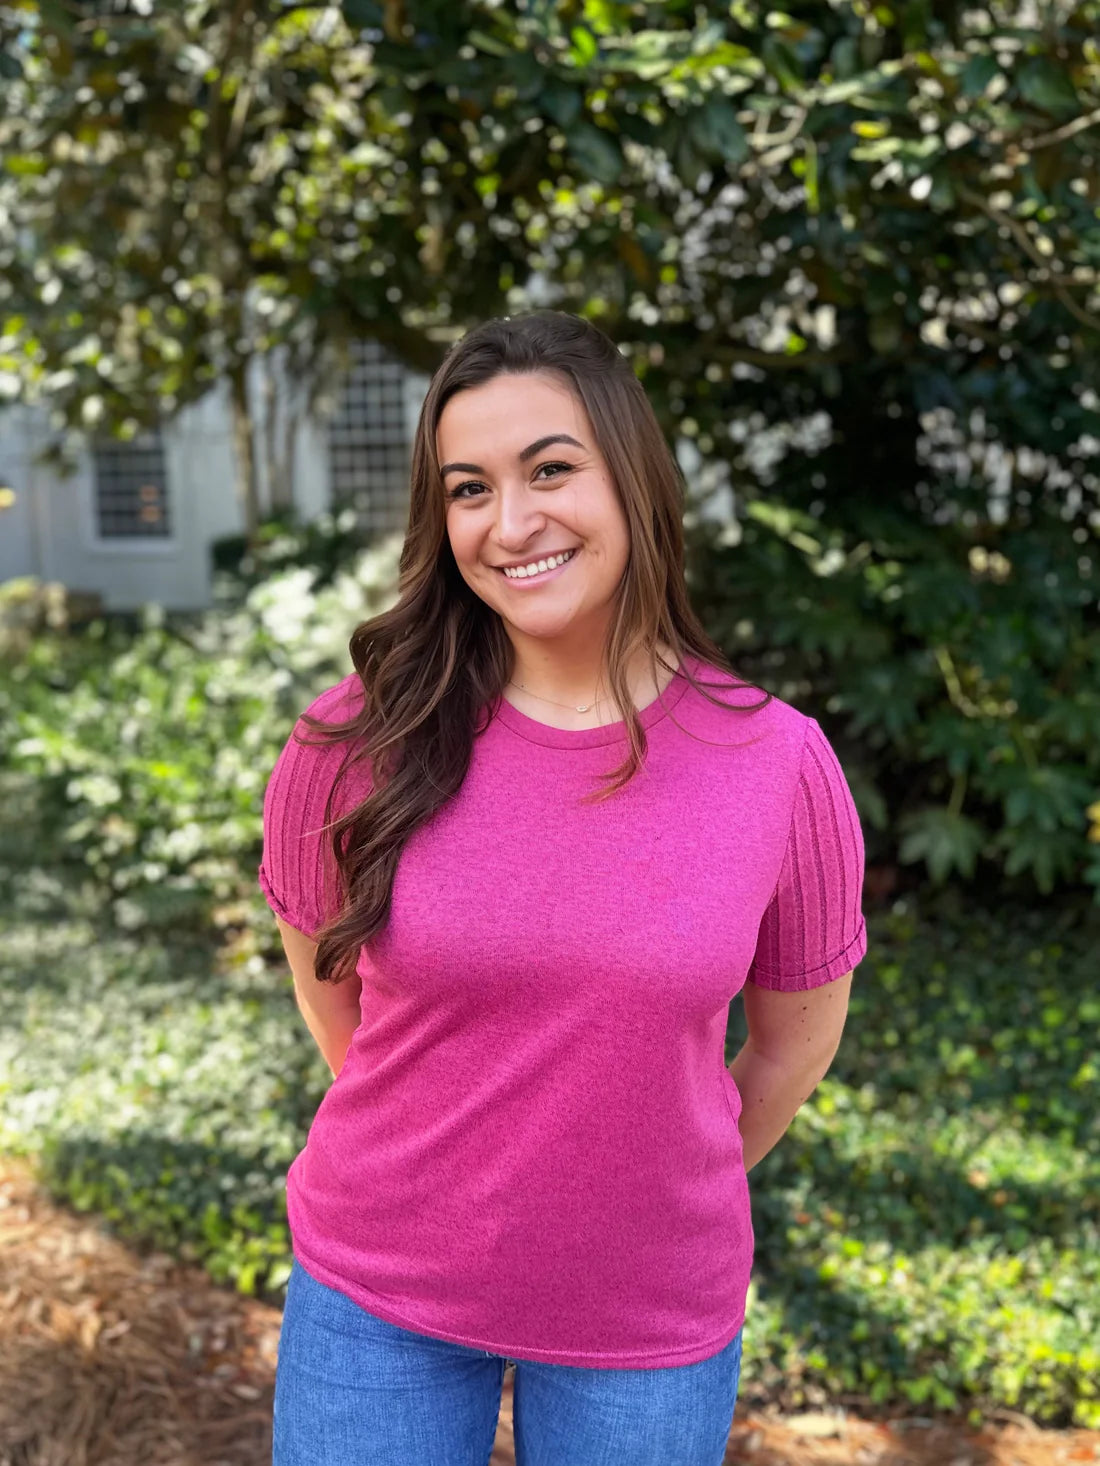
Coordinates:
[585,708]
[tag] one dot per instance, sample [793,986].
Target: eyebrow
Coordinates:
[524,455]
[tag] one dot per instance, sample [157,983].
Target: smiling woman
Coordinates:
[532,1150]
[537,520]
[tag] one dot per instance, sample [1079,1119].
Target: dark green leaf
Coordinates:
[716,132]
[1047,85]
[563,103]
[526,75]
[783,63]
[362,14]
[596,152]
[978,72]
[690,166]
[490,45]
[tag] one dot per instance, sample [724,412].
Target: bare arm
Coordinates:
[331,1012]
[793,1038]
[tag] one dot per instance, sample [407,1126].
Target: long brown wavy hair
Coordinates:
[440,658]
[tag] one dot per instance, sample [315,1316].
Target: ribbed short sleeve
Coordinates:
[813,929]
[297,872]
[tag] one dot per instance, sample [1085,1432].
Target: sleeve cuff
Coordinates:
[816,977]
[280,908]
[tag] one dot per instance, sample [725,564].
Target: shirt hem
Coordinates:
[381,1308]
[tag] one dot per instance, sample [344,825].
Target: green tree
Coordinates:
[852,250]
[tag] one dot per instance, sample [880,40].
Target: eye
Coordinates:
[459,491]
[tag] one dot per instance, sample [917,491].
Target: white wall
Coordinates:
[19,553]
[50,530]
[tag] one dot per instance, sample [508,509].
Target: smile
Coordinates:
[538,571]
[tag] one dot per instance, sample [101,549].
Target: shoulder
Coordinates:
[729,707]
[310,761]
[337,703]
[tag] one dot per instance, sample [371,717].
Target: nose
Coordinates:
[519,517]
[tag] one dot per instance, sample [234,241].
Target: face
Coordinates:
[524,480]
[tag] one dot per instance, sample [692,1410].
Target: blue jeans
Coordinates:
[354,1390]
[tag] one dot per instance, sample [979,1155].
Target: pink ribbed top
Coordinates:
[533,1145]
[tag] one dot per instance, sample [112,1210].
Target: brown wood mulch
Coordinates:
[109,1358]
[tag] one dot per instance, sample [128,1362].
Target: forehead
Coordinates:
[506,413]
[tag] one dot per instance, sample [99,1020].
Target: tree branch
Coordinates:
[1061,134]
[1023,239]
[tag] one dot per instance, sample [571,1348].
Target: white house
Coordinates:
[136,521]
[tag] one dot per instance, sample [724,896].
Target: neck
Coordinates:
[579,680]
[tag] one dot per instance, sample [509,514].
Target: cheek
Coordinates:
[614,536]
[467,552]
[462,545]
[608,513]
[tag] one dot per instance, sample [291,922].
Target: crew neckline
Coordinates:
[545,733]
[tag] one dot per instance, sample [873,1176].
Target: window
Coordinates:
[368,442]
[131,498]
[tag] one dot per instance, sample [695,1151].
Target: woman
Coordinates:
[532,1151]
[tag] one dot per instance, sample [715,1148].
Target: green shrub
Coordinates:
[929,1228]
[959,683]
[328,545]
[149,752]
[171,1085]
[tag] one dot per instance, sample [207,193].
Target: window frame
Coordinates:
[129,544]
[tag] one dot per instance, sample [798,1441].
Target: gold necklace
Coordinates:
[573,706]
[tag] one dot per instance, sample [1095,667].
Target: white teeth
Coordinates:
[537,566]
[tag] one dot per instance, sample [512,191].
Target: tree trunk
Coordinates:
[247,493]
[277,412]
[291,419]
[269,434]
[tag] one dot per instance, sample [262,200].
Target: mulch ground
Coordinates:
[108,1358]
